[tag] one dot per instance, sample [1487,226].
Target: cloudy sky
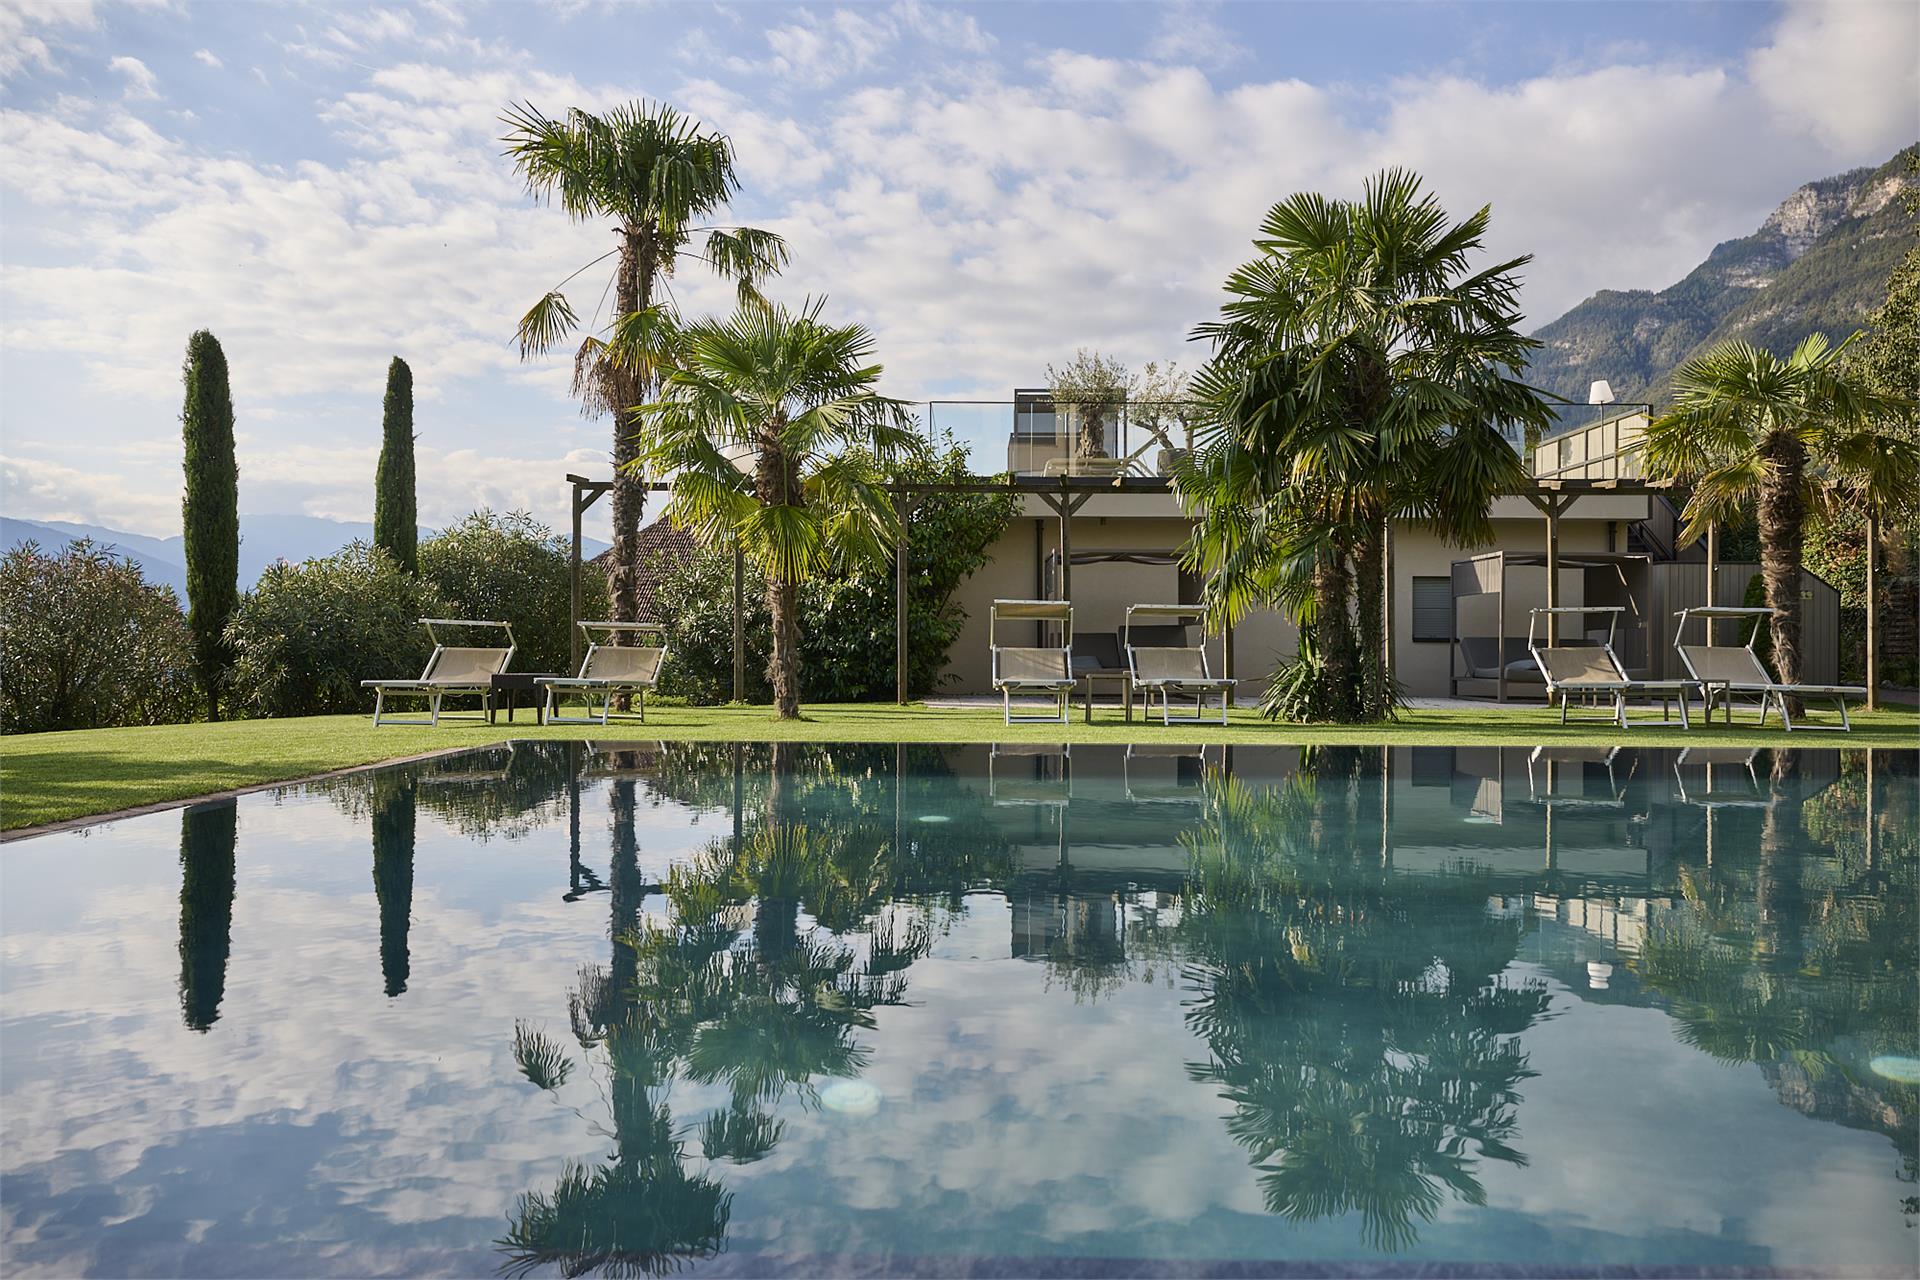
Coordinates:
[988,187]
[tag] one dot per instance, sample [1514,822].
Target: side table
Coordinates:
[508,686]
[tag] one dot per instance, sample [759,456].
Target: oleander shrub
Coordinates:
[86,642]
[307,634]
[511,568]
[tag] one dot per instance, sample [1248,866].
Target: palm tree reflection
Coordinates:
[1363,1034]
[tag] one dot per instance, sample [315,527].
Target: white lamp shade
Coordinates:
[1600,392]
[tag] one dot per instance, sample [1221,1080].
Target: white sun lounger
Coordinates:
[609,670]
[1728,672]
[450,669]
[1032,669]
[1174,670]
[1593,671]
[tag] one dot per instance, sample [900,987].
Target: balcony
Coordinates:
[1030,436]
[1594,442]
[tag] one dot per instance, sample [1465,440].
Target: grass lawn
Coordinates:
[50,777]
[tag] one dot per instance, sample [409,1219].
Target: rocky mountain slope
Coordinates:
[1819,263]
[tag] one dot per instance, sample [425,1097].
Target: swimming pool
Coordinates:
[745,1009]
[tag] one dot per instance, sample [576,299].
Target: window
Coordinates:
[1433,609]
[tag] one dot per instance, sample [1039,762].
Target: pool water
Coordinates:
[632,1008]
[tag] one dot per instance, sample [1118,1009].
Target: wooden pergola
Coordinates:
[1065,496]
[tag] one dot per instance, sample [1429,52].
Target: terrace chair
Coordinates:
[1591,670]
[1174,670]
[608,670]
[1727,672]
[1032,669]
[450,669]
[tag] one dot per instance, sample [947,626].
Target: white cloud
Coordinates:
[23,23]
[140,81]
[209,58]
[1187,32]
[1847,73]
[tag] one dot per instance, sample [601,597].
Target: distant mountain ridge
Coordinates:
[1818,264]
[264,539]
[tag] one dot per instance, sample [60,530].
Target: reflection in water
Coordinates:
[393,818]
[1346,983]
[208,833]
[1364,1036]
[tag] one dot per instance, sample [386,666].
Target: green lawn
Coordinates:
[50,777]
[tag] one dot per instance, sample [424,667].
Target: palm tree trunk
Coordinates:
[1333,635]
[633,291]
[1782,520]
[783,663]
[774,486]
[1369,559]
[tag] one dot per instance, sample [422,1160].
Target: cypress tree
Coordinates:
[394,524]
[211,512]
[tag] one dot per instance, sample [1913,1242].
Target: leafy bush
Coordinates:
[86,643]
[513,569]
[306,635]
[847,620]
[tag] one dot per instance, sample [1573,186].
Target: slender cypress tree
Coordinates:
[394,524]
[211,512]
[393,826]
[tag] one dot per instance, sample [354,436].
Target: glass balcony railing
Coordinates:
[1593,442]
[1032,436]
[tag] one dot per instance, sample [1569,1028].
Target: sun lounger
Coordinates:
[1044,670]
[450,669]
[1178,670]
[1592,671]
[1728,672]
[609,670]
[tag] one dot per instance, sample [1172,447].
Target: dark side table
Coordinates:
[1120,676]
[508,686]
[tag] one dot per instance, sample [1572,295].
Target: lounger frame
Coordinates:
[1174,671]
[1728,673]
[602,653]
[1045,670]
[1610,682]
[450,669]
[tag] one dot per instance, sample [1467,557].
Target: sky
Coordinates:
[987,187]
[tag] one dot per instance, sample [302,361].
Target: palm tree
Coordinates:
[654,174]
[777,442]
[1362,371]
[1755,432]
[1877,473]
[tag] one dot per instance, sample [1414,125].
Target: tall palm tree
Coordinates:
[655,175]
[1363,369]
[776,440]
[1755,432]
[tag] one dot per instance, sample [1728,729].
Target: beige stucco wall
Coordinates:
[1152,522]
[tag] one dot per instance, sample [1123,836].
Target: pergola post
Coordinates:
[1713,573]
[903,506]
[585,493]
[739,621]
[1873,611]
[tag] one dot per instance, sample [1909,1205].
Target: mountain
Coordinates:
[264,538]
[1818,264]
[54,535]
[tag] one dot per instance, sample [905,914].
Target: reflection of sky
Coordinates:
[321,1127]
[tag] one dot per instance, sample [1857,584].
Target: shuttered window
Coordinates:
[1433,609]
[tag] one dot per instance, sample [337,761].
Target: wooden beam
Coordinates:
[739,622]
[903,507]
[1873,617]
